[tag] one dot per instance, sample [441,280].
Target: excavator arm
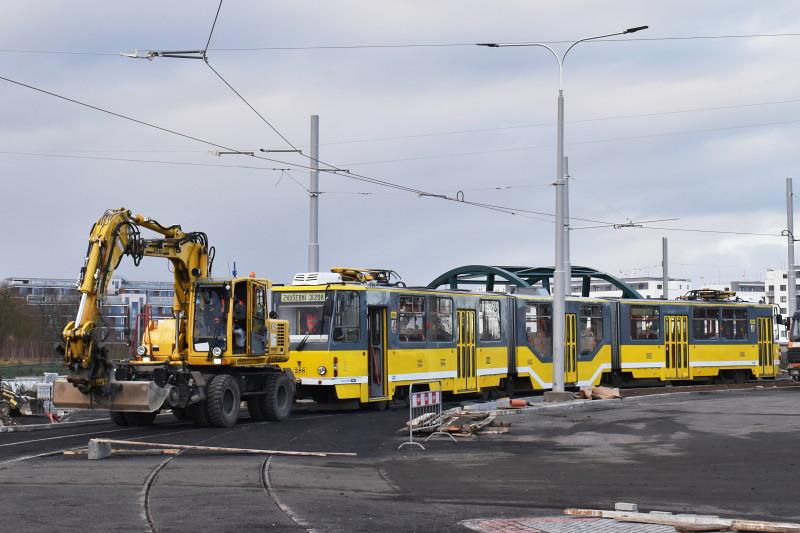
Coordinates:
[114,235]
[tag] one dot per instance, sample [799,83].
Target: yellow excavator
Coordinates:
[220,348]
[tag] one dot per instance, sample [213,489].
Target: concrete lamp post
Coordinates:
[561,276]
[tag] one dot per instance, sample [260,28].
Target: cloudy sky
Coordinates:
[701,130]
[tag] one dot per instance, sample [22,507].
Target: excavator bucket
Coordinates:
[126,396]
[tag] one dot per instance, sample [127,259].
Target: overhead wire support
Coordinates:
[350,175]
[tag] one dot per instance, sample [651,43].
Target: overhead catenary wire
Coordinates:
[503,209]
[133,160]
[405,45]
[334,169]
[578,121]
[347,174]
[689,230]
[465,44]
[572,143]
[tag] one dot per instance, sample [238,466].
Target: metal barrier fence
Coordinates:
[424,413]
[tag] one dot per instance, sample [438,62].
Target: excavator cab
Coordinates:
[231,319]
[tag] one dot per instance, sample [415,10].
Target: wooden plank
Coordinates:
[222,449]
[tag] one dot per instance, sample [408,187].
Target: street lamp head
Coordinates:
[490,45]
[634,30]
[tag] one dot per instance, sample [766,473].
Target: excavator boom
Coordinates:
[114,235]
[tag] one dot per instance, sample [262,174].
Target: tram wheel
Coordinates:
[376,406]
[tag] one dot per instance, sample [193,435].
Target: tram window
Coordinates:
[734,324]
[645,323]
[590,327]
[411,318]
[489,320]
[441,319]
[303,310]
[346,326]
[705,323]
[538,328]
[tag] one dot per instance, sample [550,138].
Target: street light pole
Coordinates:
[558,289]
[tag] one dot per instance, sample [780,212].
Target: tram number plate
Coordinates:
[299,370]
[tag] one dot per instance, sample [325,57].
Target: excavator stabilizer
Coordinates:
[128,396]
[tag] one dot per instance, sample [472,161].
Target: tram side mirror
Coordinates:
[273,315]
[780,320]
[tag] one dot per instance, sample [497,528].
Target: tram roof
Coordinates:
[525,276]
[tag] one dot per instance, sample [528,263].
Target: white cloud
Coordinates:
[709,180]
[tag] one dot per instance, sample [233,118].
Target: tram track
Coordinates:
[152,478]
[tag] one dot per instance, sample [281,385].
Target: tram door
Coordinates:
[676,346]
[571,349]
[467,351]
[766,361]
[377,352]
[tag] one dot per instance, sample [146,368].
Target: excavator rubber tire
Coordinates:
[119,418]
[277,402]
[141,419]
[222,401]
[255,406]
[197,412]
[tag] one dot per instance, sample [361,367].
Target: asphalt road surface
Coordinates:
[731,453]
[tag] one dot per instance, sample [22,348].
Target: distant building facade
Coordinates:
[749,291]
[647,286]
[56,300]
[776,290]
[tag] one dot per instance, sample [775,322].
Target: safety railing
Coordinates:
[424,413]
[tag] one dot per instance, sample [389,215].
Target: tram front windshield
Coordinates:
[304,311]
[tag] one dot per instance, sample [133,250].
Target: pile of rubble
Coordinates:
[468,421]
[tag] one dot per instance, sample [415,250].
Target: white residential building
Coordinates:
[647,286]
[776,288]
[749,291]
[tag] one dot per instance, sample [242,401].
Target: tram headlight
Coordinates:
[141,350]
[216,351]
[322,370]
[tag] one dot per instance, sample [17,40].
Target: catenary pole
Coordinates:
[791,303]
[559,302]
[664,269]
[313,195]
[567,229]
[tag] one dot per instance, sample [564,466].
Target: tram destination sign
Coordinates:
[302,297]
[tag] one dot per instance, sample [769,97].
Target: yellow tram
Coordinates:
[358,334]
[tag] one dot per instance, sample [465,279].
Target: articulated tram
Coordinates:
[356,335]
